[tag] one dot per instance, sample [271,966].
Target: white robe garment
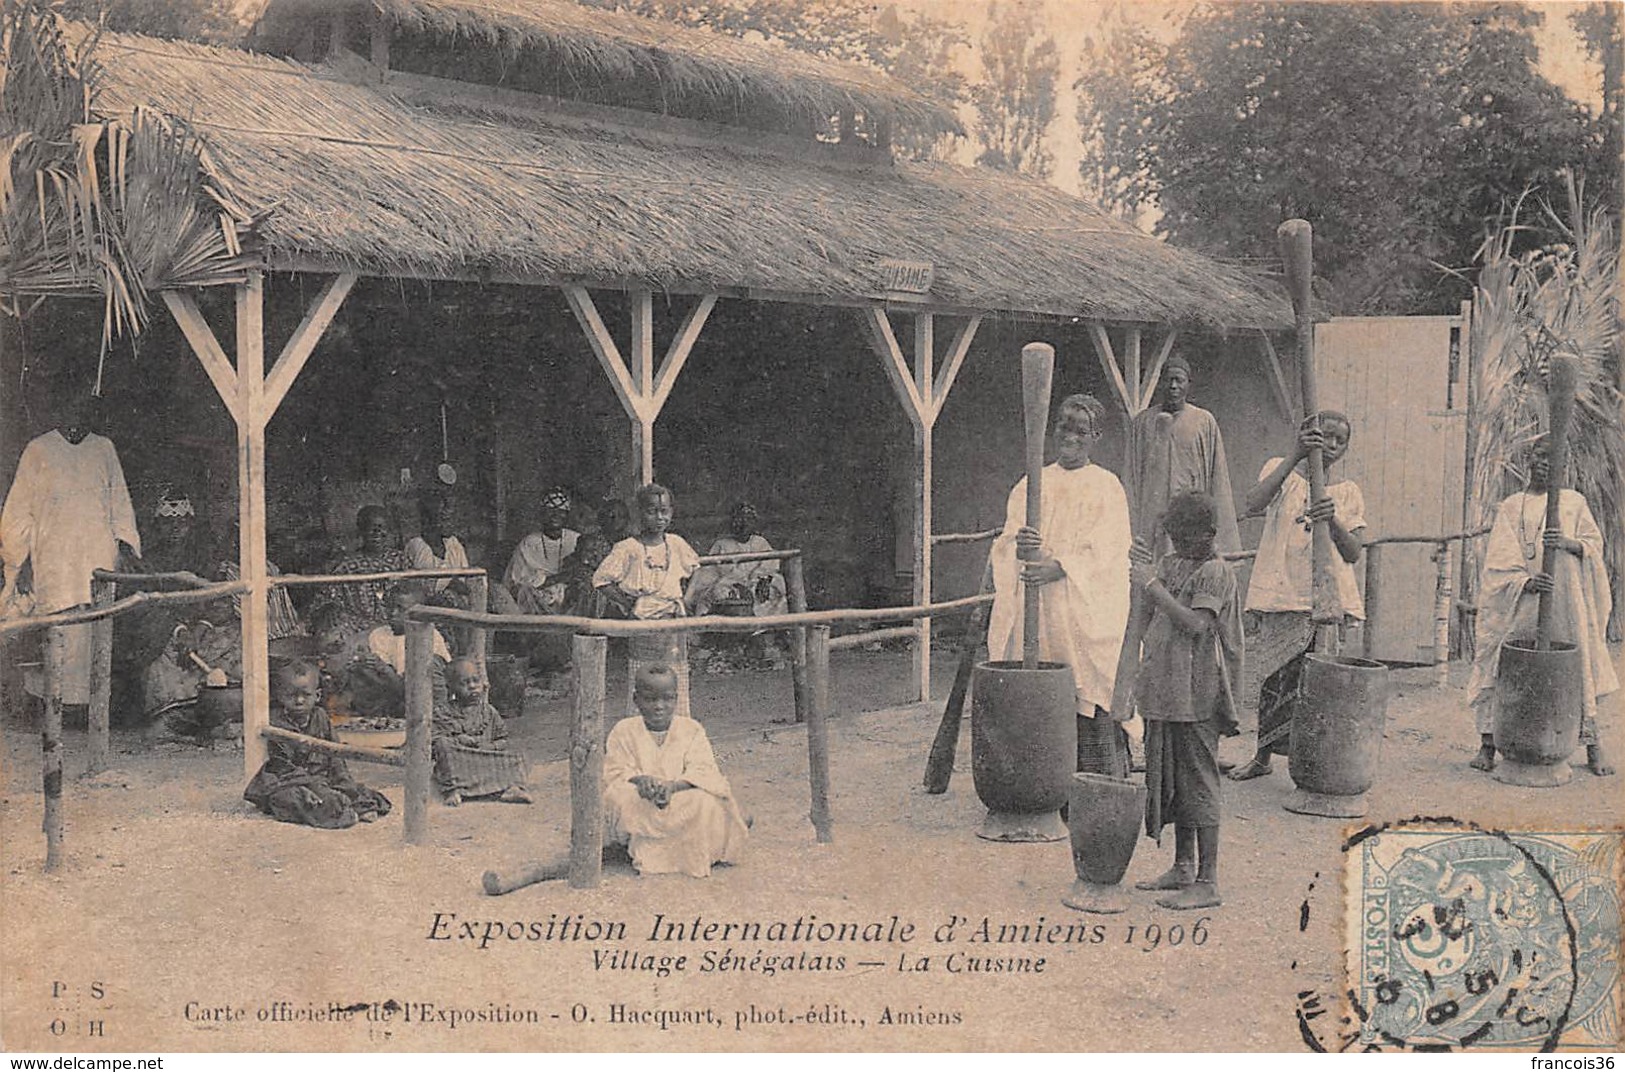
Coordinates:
[1085,525]
[67,509]
[700,827]
[1514,554]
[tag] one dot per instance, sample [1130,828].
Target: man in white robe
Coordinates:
[68,513]
[1083,540]
[664,798]
[1509,598]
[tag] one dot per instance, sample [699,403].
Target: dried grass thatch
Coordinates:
[1527,307]
[640,59]
[391,182]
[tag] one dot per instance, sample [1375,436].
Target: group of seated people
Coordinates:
[344,660]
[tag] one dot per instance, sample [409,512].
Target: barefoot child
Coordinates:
[298,784]
[470,744]
[664,798]
[646,575]
[1279,627]
[1509,596]
[1192,654]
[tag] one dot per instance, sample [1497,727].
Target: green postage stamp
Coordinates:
[1467,938]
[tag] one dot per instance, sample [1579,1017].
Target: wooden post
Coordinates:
[1441,614]
[101,677]
[251,520]
[642,360]
[51,749]
[587,763]
[479,598]
[795,583]
[818,732]
[1373,598]
[924,381]
[419,723]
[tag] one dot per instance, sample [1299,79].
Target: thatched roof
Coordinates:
[399,180]
[629,60]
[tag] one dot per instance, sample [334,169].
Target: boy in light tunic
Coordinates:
[664,798]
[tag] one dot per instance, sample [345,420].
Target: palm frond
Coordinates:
[1527,307]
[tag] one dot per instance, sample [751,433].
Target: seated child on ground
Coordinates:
[376,677]
[1193,648]
[664,798]
[471,757]
[298,784]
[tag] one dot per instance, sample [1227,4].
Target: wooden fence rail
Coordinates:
[591,638]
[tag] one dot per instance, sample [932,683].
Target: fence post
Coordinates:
[795,581]
[1441,614]
[479,599]
[587,762]
[1373,599]
[51,749]
[818,731]
[419,723]
[102,593]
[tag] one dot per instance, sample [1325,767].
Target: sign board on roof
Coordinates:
[907,277]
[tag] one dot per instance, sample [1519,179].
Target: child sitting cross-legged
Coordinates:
[470,743]
[1193,648]
[297,783]
[375,679]
[664,798]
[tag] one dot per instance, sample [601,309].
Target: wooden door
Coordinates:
[1393,377]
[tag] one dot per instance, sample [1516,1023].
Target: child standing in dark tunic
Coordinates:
[1192,657]
[297,783]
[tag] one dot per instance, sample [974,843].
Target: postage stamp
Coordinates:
[1461,937]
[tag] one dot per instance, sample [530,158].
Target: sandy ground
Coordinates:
[183,920]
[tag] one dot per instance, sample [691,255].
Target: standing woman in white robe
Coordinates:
[664,798]
[1083,539]
[69,513]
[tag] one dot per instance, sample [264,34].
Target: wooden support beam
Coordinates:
[251,519]
[1131,369]
[642,362]
[207,348]
[925,388]
[818,733]
[102,594]
[304,339]
[1153,375]
[795,583]
[51,747]
[587,763]
[419,723]
[1108,363]
[893,363]
[1278,388]
[603,348]
[682,344]
[952,361]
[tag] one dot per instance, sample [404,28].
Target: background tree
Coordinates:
[917,48]
[1015,101]
[212,21]
[1120,63]
[1398,130]
[1600,28]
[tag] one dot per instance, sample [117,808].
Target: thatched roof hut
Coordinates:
[399,174]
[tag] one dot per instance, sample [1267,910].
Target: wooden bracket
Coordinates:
[642,390]
[1108,365]
[921,391]
[1272,365]
[1133,390]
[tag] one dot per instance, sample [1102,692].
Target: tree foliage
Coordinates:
[217,22]
[1398,130]
[1015,100]
[917,48]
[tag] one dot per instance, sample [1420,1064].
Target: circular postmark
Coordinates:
[1455,937]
